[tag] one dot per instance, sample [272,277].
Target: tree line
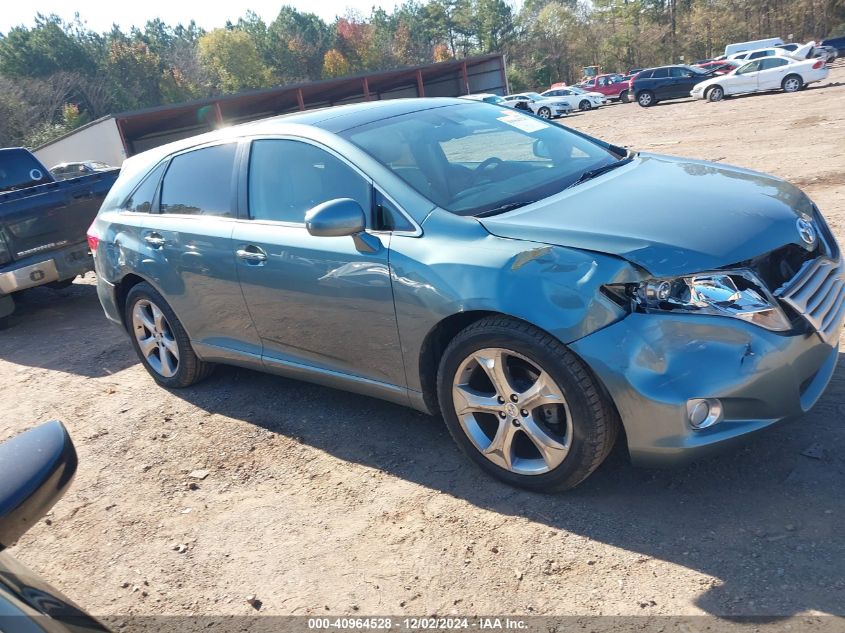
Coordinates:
[55,75]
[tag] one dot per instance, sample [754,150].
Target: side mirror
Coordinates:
[541,149]
[336,218]
[36,469]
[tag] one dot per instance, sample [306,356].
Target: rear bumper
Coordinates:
[107,293]
[43,268]
[653,364]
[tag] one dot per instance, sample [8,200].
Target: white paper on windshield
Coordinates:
[522,122]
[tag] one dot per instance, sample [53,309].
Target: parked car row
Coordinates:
[779,66]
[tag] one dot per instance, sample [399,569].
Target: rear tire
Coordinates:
[160,340]
[792,83]
[646,99]
[555,427]
[624,97]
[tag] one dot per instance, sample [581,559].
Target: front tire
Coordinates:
[160,340]
[792,83]
[585,105]
[523,407]
[646,99]
[716,93]
[544,113]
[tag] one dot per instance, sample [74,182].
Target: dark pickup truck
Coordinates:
[43,224]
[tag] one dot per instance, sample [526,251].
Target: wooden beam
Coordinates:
[218,113]
[420,86]
[122,134]
[366,89]
[299,100]
[465,76]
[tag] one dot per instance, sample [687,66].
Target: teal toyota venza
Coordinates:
[538,288]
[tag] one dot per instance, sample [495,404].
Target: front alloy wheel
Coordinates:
[716,93]
[544,113]
[522,406]
[585,105]
[512,411]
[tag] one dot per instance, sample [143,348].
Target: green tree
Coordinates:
[233,61]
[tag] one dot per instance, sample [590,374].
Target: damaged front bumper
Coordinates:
[654,364]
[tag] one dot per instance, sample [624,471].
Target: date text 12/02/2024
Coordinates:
[417,624]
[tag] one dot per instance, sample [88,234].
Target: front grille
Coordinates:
[817,292]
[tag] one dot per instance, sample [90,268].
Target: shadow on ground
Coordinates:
[765,520]
[64,330]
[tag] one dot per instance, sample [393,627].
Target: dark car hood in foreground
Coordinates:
[668,215]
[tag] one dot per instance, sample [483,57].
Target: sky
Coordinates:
[99,15]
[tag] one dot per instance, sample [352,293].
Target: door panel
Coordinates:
[324,302]
[319,301]
[188,249]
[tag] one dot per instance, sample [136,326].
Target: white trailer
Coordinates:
[99,140]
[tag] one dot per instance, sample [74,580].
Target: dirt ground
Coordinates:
[322,502]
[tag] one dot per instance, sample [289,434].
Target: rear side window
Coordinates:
[287,178]
[141,200]
[200,182]
[646,74]
[772,62]
[18,170]
[660,73]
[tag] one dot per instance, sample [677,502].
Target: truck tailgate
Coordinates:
[50,216]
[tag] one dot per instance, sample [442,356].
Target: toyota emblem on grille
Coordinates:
[806,230]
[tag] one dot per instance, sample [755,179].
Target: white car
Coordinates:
[586,100]
[486,97]
[799,52]
[546,107]
[768,73]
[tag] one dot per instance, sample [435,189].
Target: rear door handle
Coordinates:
[154,239]
[252,254]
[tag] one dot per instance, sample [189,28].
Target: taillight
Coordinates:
[818,64]
[93,239]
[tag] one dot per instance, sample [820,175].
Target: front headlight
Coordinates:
[731,293]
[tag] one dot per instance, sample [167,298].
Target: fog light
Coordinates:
[704,412]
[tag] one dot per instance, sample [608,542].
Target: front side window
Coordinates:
[287,178]
[472,159]
[141,200]
[751,67]
[200,182]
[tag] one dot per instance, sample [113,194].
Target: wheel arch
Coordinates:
[439,337]
[122,288]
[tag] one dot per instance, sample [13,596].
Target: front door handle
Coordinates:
[155,240]
[251,254]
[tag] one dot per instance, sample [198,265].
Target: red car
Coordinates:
[722,67]
[612,86]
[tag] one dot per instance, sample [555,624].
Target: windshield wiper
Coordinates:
[510,206]
[598,171]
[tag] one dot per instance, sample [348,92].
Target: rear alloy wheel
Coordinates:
[160,340]
[544,113]
[523,407]
[585,105]
[792,83]
[645,99]
[716,93]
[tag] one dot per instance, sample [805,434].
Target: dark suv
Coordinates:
[666,82]
[836,42]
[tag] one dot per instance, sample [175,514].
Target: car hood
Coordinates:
[668,215]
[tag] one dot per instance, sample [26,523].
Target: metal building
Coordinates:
[114,138]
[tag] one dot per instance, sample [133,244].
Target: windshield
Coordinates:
[473,159]
[533,95]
